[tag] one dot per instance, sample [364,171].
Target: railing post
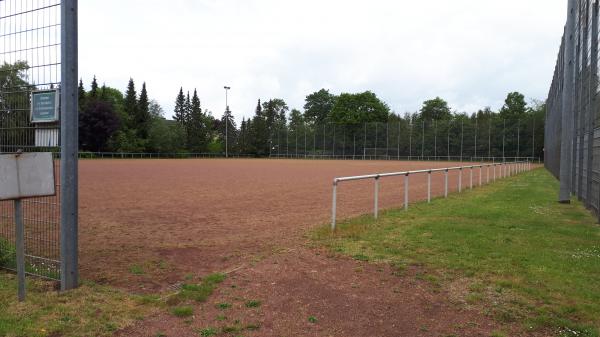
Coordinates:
[494,172]
[406,186]
[376,201]
[471,178]
[429,187]
[334,205]
[480,174]
[460,180]
[488,172]
[446,184]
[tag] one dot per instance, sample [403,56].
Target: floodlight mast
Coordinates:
[226,122]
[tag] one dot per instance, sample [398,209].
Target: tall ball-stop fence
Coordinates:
[572,142]
[38,41]
[482,138]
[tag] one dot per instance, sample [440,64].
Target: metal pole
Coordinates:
[480,174]
[376,139]
[399,132]
[429,186]
[476,129]
[226,122]
[410,141]
[423,141]
[462,136]
[471,178]
[20,249]
[503,141]
[376,201]
[446,183]
[406,191]
[365,144]
[69,272]
[518,138]
[490,138]
[334,205]
[460,180]
[448,144]
[434,140]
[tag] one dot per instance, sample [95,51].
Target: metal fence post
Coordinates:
[334,205]
[446,183]
[429,186]
[480,174]
[376,201]
[406,191]
[20,248]
[69,146]
[460,180]
[471,178]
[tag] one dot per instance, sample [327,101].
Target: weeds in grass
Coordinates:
[207,332]
[223,306]
[253,304]
[184,311]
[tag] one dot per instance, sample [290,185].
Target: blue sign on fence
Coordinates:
[44,106]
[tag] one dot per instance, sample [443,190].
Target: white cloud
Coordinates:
[471,52]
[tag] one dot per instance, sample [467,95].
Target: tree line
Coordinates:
[112,121]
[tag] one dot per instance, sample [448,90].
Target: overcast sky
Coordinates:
[469,52]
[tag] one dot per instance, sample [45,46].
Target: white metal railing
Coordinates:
[505,170]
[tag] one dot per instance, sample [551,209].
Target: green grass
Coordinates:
[184,311]
[253,304]
[198,292]
[537,261]
[91,310]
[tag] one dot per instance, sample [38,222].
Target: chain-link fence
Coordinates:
[481,138]
[30,60]
[578,105]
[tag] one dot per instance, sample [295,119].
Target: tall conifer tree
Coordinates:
[142,114]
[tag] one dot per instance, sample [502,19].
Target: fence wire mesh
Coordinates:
[479,138]
[585,140]
[30,60]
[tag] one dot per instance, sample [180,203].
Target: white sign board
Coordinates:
[26,175]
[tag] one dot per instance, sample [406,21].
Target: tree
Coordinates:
[296,119]
[259,136]
[196,125]
[318,106]
[359,108]
[155,110]
[81,96]
[274,112]
[435,109]
[130,104]
[142,114]
[14,89]
[97,124]
[227,129]
[180,108]
[514,106]
[166,136]
[14,105]
[94,90]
